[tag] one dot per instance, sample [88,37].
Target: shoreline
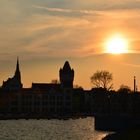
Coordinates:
[40,116]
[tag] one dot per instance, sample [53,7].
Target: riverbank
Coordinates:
[42,116]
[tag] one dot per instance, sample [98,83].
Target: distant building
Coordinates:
[46,99]
[13,83]
[66,75]
[42,98]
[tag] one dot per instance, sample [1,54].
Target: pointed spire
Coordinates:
[14,83]
[17,72]
[17,67]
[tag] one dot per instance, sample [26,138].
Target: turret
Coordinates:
[66,75]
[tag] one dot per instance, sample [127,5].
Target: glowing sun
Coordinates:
[117,45]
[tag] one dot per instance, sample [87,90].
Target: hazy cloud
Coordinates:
[65,28]
[131,65]
[44,30]
[71,12]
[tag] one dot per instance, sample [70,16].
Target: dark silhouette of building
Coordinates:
[66,75]
[60,99]
[13,83]
[42,98]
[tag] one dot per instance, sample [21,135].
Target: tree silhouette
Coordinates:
[102,79]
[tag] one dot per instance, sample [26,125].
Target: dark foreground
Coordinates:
[116,123]
[131,134]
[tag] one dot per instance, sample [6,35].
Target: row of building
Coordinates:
[47,99]
[42,98]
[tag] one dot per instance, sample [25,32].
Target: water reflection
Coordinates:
[78,129]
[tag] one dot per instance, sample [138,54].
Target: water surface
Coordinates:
[78,129]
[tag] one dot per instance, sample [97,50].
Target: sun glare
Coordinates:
[117,45]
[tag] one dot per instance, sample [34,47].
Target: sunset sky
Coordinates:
[46,33]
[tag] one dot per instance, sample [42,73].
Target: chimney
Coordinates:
[134,84]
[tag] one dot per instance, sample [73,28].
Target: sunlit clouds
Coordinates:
[63,29]
[48,27]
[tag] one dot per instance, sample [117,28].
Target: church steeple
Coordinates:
[13,83]
[17,67]
[17,72]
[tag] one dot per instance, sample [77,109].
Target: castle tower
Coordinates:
[13,83]
[66,75]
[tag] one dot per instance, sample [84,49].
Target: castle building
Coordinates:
[66,75]
[13,83]
[41,98]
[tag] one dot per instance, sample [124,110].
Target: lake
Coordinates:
[72,129]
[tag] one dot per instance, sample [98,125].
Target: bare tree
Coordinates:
[102,79]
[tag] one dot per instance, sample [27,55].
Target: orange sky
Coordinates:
[44,34]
